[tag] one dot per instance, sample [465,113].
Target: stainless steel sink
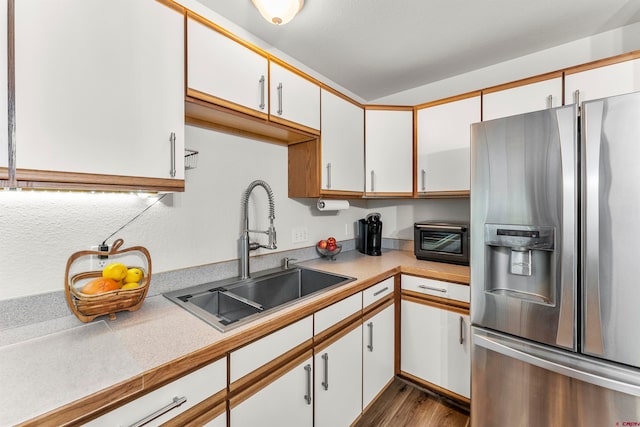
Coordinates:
[227,304]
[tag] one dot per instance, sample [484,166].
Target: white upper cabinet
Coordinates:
[100,87]
[219,67]
[342,144]
[522,99]
[293,98]
[601,82]
[389,151]
[444,135]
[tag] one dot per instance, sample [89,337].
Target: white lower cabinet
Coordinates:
[165,401]
[338,381]
[287,401]
[219,421]
[435,346]
[378,333]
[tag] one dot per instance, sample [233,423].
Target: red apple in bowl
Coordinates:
[331,241]
[322,244]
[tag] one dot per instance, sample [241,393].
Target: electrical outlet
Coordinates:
[299,235]
[98,262]
[348,230]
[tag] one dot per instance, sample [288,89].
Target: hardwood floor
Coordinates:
[405,405]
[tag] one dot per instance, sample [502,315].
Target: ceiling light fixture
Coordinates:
[278,12]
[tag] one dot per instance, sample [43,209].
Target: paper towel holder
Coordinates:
[332,205]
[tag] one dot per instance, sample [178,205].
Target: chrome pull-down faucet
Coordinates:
[245,244]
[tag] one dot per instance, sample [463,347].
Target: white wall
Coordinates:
[40,230]
[603,45]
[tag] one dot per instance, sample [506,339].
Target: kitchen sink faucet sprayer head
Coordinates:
[245,244]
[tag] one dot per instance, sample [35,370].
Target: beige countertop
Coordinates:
[44,373]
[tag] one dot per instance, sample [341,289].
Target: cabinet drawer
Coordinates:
[195,387]
[256,354]
[436,288]
[333,314]
[377,292]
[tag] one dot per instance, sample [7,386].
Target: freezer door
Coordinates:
[611,221]
[515,383]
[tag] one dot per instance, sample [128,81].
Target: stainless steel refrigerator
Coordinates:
[555,266]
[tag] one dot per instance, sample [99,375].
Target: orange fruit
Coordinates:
[100,285]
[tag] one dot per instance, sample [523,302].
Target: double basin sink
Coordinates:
[230,303]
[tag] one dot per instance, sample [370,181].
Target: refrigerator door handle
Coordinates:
[562,366]
[592,129]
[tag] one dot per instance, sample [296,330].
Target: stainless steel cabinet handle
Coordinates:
[550,101]
[328,175]
[370,326]
[372,176]
[461,329]
[386,288]
[261,92]
[325,383]
[172,140]
[429,288]
[279,99]
[424,176]
[576,97]
[177,401]
[307,396]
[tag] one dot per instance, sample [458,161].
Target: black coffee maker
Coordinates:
[370,234]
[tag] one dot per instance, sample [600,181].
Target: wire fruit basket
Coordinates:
[87,307]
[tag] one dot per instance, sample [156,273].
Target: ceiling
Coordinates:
[376,48]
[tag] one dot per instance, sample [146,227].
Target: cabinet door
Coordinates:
[338,381]
[377,354]
[609,80]
[225,70]
[444,138]
[435,346]
[100,87]
[522,99]
[293,97]
[389,151]
[284,402]
[191,389]
[342,144]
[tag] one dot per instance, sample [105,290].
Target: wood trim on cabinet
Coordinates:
[88,408]
[603,62]
[269,367]
[438,275]
[454,194]
[389,107]
[337,331]
[399,194]
[219,118]
[442,391]
[238,398]
[294,125]
[397,322]
[201,413]
[340,194]
[436,302]
[377,307]
[304,169]
[173,5]
[37,179]
[193,93]
[448,99]
[171,371]
[523,82]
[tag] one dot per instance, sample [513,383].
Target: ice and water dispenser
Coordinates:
[519,261]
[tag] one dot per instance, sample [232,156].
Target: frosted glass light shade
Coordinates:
[278,12]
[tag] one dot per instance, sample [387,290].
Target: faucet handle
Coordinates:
[286,261]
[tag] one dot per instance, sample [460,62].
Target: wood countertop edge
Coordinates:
[102,401]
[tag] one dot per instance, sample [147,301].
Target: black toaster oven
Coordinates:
[442,242]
